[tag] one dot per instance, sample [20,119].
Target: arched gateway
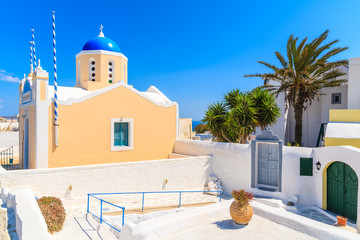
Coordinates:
[342,190]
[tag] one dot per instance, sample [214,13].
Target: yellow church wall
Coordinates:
[42,90]
[355,142]
[85,130]
[344,115]
[101,70]
[30,114]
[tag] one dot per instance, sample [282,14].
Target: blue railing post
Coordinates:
[101,208]
[123,217]
[220,195]
[88,203]
[142,207]
[180,199]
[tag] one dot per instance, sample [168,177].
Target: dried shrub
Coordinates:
[53,211]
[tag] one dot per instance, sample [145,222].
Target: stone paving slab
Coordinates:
[225,228]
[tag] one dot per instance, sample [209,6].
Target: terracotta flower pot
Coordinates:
[241,214]
[341,220]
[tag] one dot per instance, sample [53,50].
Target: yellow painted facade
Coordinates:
[88,113]
[85,135]
[343,116]
[29,112]
[83,65]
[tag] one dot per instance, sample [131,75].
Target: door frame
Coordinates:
[324,185]
[26,143]
[256,167]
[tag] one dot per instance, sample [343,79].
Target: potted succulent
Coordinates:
[240,210]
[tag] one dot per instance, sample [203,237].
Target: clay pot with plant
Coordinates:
[240,210]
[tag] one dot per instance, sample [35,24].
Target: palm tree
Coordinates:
[237,117]
[216,120]
[243,112]
[304,71]
[267,110]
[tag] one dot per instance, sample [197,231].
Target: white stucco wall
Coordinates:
[30,223]
[279,127]
[8,139]
[182,174]
[229,161]
[354,83]
[315,114]
[232,163]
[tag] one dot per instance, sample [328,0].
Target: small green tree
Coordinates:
[237,117]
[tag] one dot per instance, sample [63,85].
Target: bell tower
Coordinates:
[100,64]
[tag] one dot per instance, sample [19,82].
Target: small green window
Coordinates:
[121,134]
[306,166]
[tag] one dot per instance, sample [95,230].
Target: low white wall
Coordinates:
[229,161]
[30,223]
[182,174]
[232,163]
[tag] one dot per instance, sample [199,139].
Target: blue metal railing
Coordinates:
[7,158]
[101,211]
[142,202]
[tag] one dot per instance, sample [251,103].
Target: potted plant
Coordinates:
[240,210]
[341,220]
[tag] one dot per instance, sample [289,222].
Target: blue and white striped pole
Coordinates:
[31,57]
[34,52]
[55,83]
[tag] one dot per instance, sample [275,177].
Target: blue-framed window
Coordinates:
[121,134]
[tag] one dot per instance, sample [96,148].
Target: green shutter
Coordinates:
[306,166]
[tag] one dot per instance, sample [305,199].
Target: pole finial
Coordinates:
[101,34]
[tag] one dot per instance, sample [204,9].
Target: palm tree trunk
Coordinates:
[298,110]
[225,137]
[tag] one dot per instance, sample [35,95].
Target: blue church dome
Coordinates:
[101,43]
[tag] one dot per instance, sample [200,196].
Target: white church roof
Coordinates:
[76,94]
[65,93]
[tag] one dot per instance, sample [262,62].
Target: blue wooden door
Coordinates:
[268,164]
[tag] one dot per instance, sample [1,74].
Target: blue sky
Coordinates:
[193,51]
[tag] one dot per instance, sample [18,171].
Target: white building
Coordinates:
[345,96]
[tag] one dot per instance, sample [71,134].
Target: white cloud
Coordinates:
[8,77]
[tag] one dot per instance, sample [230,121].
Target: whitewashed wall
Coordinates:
[317,112]
[29,222]
[182,174]
[232,163]
[229,161]
[8,139]
[354,83]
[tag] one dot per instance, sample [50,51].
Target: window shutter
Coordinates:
[306,166]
